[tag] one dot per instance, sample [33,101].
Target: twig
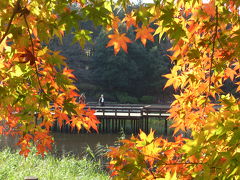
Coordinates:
[149,169]
[33,52]
[17,8]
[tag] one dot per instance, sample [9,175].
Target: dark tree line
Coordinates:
[127,78]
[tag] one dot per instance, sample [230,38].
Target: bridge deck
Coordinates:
[114,118]
[130,111]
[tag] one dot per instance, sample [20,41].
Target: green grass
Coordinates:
[15,167]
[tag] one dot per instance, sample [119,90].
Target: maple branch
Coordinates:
[177,163]
[213,48]
[17,8]
[212,56]
[33,52]
[149,169]
[183,163]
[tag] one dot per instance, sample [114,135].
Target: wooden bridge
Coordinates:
[117,117]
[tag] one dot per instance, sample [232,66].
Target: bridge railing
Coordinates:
[114,104]
[118,111]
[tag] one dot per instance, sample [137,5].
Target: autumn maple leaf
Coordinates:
[209,8]
[61,117]
[114,23]
[130,20]
[144,33]
[238,88]
[1,129]
[28,56]
[229,73]
[68,73]
[118,41]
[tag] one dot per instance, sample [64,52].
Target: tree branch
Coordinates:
[17,8]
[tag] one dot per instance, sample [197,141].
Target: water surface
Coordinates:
[69,143]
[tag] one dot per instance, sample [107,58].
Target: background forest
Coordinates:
[133,77]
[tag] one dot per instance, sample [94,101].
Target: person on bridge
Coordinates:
[101,100]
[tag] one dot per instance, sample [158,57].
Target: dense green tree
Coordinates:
[137,73]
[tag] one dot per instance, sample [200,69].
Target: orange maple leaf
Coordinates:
[144,33]
[209,8]
[229,73]
[238,88]
[114,23]
[61,117]
[68,73]
[118,41]
[1,129]
[130,20]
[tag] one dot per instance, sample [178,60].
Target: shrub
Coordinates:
[147,99]
[125,98]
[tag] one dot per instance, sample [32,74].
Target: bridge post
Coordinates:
[147,130]
[112,121]
[116,125]
[166,127]
[103,123]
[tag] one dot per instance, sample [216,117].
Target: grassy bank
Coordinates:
[15,167]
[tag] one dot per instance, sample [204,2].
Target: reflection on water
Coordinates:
[77,143]
[69,143]
[8,141]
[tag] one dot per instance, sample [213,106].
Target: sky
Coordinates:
[143,1]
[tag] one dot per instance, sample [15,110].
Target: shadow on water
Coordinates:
[8,141]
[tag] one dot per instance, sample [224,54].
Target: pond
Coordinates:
[75,143]
[70,143]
